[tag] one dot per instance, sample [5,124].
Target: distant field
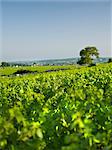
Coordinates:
[39,69]
[7,71]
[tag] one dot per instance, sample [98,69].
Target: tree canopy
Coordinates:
[87,54]
[110,60]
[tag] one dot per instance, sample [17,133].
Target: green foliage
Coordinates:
[22,71]
[65,110]
[110,60]
[4,64]
[87,54]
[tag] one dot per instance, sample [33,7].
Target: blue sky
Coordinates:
[49,30]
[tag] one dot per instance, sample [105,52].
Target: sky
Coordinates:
[36,30]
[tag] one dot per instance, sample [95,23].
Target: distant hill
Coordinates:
[57,61]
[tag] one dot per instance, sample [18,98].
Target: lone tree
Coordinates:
[110,60]
[87,54]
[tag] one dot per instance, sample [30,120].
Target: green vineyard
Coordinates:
[63,110]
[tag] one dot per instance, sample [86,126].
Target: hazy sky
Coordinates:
[45,30]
